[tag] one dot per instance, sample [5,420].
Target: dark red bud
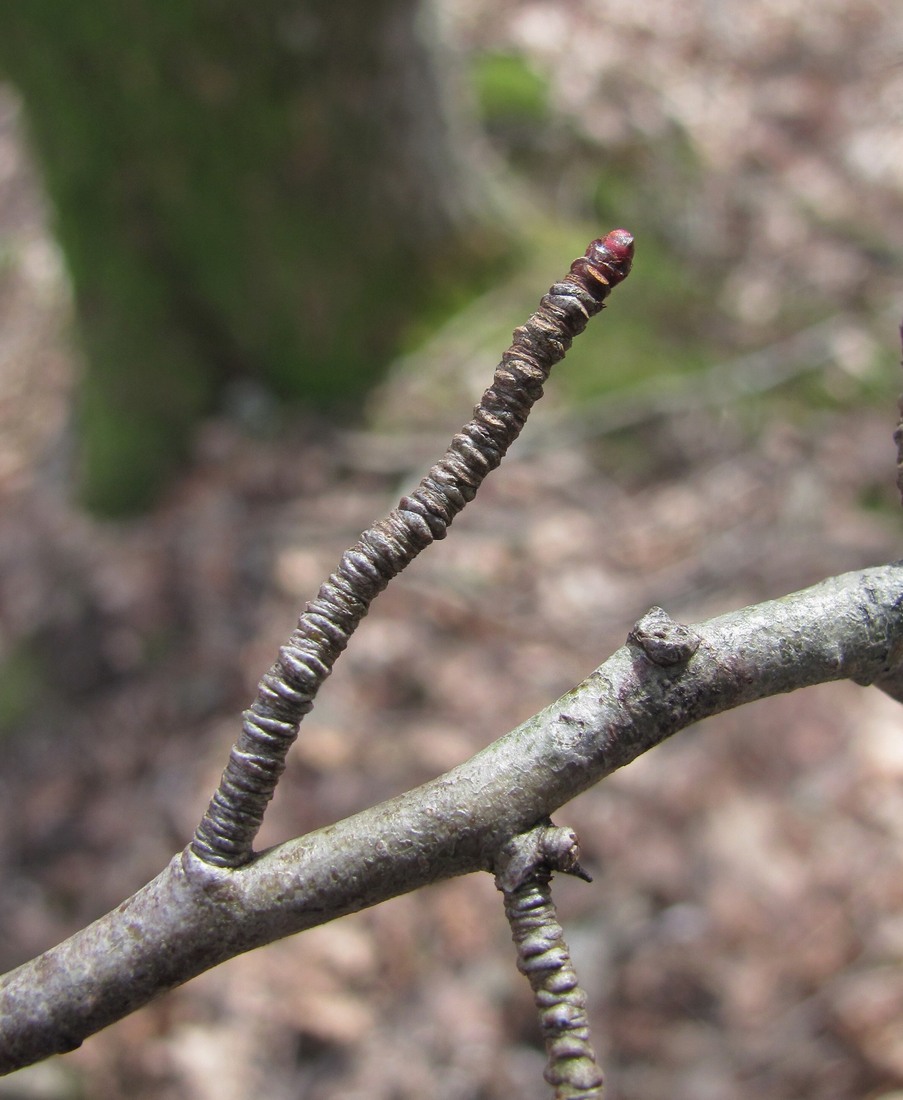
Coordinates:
[605,264]
[614,253]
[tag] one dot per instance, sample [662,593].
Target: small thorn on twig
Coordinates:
[664,641]
[561,852]
[580,872]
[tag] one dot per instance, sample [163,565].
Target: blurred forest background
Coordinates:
[255,268]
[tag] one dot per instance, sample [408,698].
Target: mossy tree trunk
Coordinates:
[269,190]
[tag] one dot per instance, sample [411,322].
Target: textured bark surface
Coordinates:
[286,692]
[193,916]
[523,874]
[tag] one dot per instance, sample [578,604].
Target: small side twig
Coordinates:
[226,833]
[523,873]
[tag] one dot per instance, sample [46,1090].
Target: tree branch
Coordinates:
[194,916]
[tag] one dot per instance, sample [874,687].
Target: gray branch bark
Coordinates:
[194,916]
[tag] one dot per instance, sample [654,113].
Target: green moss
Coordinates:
[883,498]
[509,90]
[20,686]
[490,261]
[225,197]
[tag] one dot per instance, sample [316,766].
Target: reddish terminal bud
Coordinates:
[605,263]
[619,245]
[613,254]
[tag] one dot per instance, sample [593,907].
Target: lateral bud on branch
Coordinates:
[664,641]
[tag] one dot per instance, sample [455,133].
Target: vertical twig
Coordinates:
[523,874]
[226,834]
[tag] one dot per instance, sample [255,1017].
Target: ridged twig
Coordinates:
[523,874]
[285,694]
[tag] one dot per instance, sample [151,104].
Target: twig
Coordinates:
[523,872]
[286,693]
